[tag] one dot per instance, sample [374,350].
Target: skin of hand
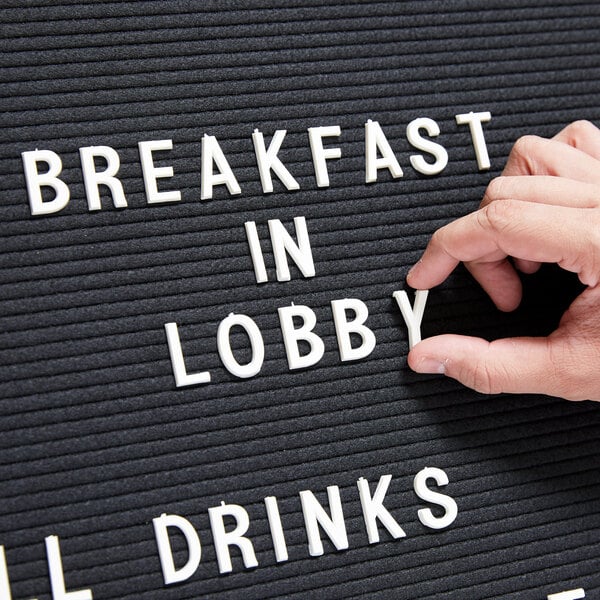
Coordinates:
[544,208]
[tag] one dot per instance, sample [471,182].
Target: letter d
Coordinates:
[170,573]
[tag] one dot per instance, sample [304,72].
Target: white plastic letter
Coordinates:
[152,173]
[224,346]
[420,143]
[373,509]
[283,244]
[315,515]
[258,262]
[320,155]
[212,153]
[292,336]
[413,315]
[276,528]
[182,378]
[344,328]
[568,595]
[5,593]
[170,573]
[448,504]
[93,178]
[223,539]
[268,161]
[474,121]
[375,141]
[57,577]
[36,180]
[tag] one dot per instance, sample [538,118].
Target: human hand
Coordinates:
[544,208]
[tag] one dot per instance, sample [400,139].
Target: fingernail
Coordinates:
[430,365]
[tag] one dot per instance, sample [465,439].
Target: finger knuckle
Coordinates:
[526,146]
[590,267]
[497,189]
[437,239]
[580,128]
[567,378]
[486,378]
[483,380]
[499,216]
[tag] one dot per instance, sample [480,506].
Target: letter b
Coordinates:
[36,180]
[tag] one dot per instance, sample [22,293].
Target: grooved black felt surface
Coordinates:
[96,439]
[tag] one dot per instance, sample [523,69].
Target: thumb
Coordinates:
[516,365]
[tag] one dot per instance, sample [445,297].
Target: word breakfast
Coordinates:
[215,168]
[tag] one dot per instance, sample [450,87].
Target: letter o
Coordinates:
[224,346]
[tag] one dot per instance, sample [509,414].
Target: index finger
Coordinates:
[583,135]
[524,230]
[533,155]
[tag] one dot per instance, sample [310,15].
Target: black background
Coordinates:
[97,440]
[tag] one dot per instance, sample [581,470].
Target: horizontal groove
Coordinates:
[467,587]
[284,15]
[529,93]
[253,426]
[295,83]
[157,7]
[329,460]
[298,409]
[282,41]
[153,472]
[301,389]
[106,36]
[447,385]
[294,409]
[233,72]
